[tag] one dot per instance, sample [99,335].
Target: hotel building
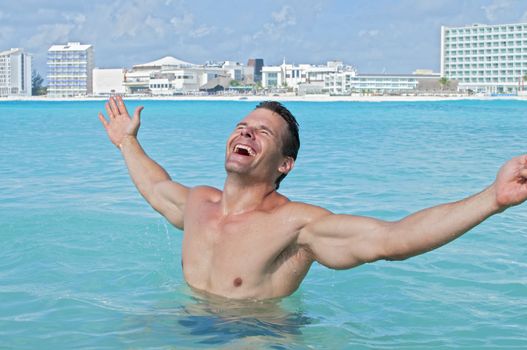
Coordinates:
[70,69]
[302,77]
[485,58]
[349,82]
[15,73]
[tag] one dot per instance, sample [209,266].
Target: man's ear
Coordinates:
[287,165]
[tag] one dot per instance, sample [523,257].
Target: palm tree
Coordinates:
[443,81]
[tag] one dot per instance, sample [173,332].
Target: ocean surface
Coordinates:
[85,263]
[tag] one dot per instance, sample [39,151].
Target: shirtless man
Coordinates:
[248,241]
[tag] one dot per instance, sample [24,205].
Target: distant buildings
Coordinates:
[169,76]
[253,72]
[15,73]
[485,58]
[108,81]
[349,82]
[304,77]
[70,70]
[474,59]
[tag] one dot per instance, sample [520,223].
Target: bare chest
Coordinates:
[240,255]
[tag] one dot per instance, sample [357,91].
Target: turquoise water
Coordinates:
[85,263]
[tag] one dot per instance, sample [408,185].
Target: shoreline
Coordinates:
[281,98]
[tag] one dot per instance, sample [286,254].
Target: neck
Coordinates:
[243,196]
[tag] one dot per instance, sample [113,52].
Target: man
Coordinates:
[250,242]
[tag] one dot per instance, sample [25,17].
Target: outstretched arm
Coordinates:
[345,241]
[152,181]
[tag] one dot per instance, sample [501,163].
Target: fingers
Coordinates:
[113,107]
[109,110]
[137,114]
[103,120]
[120,105]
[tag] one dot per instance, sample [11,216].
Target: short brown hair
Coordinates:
[291,144]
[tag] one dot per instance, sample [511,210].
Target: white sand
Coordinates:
[283,97]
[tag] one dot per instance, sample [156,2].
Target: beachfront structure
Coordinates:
[349,82]
[253,70]
[234,70]
[302,77]
[108,81]
[171,76]
[485,58]
[15,73]
[70,69]
[162,76]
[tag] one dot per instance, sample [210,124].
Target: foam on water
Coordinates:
[85,263]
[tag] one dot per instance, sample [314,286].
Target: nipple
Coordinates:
[237,282]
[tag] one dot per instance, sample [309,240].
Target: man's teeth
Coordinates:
[249,150]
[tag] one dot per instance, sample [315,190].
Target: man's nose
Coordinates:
[248,132]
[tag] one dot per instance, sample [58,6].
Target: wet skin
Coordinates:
[246,248]
[247,241]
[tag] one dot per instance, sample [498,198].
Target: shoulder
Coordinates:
[204,193]
[303,214]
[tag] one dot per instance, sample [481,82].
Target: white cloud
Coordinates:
[49,34]
[497,8]
[183,24]
[284,16]
[77,18]
[157,24]
[277,28]
[129,21]
[6,33]
[202,31]
[368,33]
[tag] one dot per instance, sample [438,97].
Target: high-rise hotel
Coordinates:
[485,58]
[15,73]
[70,70]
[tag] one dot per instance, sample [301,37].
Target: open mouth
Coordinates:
[244,150]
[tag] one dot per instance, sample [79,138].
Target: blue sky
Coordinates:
[375,36]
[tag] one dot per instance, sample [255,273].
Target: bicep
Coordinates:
[169,199]
[345,241]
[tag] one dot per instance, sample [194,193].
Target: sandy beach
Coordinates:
[282,97]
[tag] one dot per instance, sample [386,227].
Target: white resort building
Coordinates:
[346,83]
[70,69]
[15,73]
[302,78]
[335,78]
[108,81]
[171,76]
[485,58]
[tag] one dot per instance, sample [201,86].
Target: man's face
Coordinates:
[255,145]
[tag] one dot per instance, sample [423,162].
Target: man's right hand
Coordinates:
[120,125]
